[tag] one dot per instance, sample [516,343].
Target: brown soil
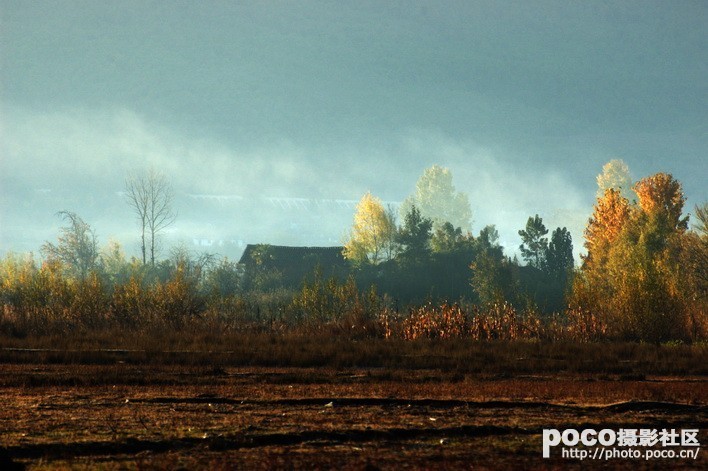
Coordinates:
[170,417]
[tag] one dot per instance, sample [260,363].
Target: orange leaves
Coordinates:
[610,214]
[662,195]
[636,282]
[659,197]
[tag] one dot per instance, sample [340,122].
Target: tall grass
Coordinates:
[42,301]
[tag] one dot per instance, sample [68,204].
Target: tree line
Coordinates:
[432,254]
[645,273]
[644,276]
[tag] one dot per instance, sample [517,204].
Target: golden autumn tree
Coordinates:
[592,289]
[373,232]
[610,214]
[678,258]
[661,196]
[643,303]
[640,271]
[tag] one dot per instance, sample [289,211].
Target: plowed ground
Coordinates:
[123,416]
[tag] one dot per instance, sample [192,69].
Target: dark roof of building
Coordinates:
[279,254]
[294,264]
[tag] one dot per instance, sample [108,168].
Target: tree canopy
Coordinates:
[372,232]
[76,248]
[438,200]
[643,273]
[534,246]
[559,255]
[610,213]
[615,175]
[414,237]
[150,195]
[661,196]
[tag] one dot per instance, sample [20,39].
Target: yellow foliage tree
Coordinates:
[372,233]
[609,216]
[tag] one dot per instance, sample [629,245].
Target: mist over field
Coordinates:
[272,119]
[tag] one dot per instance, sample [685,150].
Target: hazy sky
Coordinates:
[523,100]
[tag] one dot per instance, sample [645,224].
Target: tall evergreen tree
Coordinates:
[414,237]
[559,255]
[534,246]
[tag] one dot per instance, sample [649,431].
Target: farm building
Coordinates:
[278,265]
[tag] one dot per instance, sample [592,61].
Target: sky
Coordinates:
[523,101]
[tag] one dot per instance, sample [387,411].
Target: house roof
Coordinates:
[279,254]
[294,264]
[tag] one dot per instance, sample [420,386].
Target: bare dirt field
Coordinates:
[136,416]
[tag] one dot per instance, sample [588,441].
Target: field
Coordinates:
[300,403]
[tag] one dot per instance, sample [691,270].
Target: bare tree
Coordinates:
[76,246]
[150,195]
